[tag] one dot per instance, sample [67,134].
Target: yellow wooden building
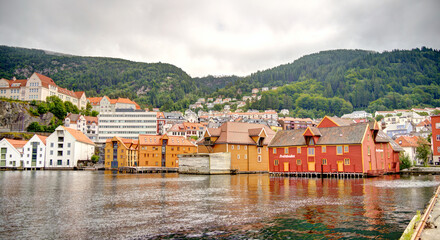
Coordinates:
[247,143]
[121,152]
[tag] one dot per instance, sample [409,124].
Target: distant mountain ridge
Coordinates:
[361,79]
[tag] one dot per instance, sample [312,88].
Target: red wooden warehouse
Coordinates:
[335,145]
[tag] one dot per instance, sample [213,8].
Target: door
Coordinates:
[311,166]
[286,167]
[340,166]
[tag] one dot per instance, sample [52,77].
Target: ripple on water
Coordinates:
[404,184]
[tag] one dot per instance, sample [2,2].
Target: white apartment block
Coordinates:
[126,123]
[38,87]
[65,146]
[34,153]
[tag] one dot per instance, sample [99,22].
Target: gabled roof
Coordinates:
[16,143]
[382,137]
[352,134]
[155,140]
[314,131]
[94,100]
[90,119]
[214,132]
[73,117]
[409,141]
[18,82]
[255,131]
[237,133]
[128,143]
[42,138]
[79,94]
[67,92]
[423,123]
[79,136]
[46,81]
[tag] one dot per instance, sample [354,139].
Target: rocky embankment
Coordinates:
[15,116]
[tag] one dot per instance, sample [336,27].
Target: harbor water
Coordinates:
[110,205]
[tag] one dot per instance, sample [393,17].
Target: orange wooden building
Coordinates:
[162,150]
[120,152]
[335,145]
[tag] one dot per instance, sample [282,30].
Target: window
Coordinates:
[245,156]
[259,150]
[238,156]
[298,150]
[245,147]
[323,149]
[346,148]
[438,137]
[276,162]
[60,153]
[51,152]
[68,145]
[274,151]
[438,149]
[311,142]
[311,151]
[298,162]
[346,161]
[108,150]
[68,162]
[232,147]
[68,152]
[50,162]
[60,162]
[369,150]
[339,150]
[238,147]
[324,161]
[51,144]
[286,150]
[259,158]
[60,145]
[437,125]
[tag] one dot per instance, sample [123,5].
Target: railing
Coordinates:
[208,143]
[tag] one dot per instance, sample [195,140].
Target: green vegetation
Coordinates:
[95,158]
[423,150]
[335,82]
[405,162]
[409,231]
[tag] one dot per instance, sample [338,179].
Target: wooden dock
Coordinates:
[147,169]
[318,174]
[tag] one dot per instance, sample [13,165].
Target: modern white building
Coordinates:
[105,104]
[10,152]
[126,123]
[34,153]
[38,87]
[65,146]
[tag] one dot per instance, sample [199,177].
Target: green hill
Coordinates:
[328,82]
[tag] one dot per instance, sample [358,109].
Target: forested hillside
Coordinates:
[328,82]
[362,79]
[149,84]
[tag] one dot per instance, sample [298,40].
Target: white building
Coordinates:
[34,152]
[285,111]
[357,115]
[65,146]
[86,124]
[105,104]
[126,123]
[10,152]
[38,87]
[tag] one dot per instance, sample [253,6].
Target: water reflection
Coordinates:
[77,205]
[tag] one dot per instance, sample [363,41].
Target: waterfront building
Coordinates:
[126,123]
[163,151]
[65,146]
[10,152]
[86,124]
[332,146]
[34,153]
[120,152]
[435,141]
[387,154]
[38,87]
[247,143]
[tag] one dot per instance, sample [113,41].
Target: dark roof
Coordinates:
[254,132]
[352,134]
[315,131]
[382,137]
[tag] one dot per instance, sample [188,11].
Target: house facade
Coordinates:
[163,150]
[247,143]
[331,147]
[435,141]
[11,152]
[34,153]
[121,152]
[65,146]
[86,124]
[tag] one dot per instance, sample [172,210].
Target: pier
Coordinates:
[147,169]
[318,174]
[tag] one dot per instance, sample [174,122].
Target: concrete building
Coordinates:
[126,123]
[38,87]
[11,152]
[205,163]
[34,153]
[65,146]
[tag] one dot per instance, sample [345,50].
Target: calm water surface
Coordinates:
[105,205]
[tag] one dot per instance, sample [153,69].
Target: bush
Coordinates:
[95,158]
[405,162]
[35,127]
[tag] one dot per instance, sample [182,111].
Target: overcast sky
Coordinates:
[220,37]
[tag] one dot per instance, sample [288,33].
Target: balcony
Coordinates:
[208,143]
